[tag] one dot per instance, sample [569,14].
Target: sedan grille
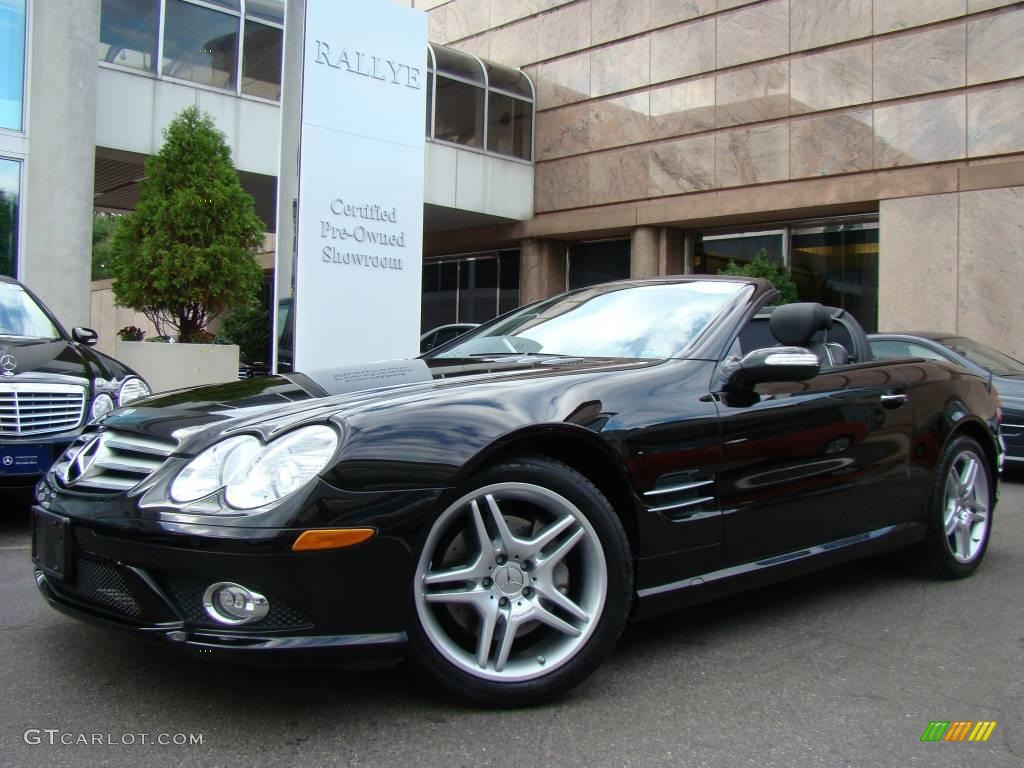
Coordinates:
[34,409]
[111,461]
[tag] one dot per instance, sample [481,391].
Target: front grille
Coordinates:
[35,409]
[101,584]
[111,461]
[187,593]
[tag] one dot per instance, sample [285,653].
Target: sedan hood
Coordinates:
[28,357]
[195,417]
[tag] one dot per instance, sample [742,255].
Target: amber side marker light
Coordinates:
[332,538]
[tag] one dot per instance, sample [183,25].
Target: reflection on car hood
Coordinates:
[279,401]
[1011,393]
[31,358]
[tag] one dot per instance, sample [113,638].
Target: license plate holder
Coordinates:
[51,544]
[25,459]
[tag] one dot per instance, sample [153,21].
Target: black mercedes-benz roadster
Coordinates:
[498,509]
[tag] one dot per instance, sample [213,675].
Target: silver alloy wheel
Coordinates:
[537,598]
[966,506]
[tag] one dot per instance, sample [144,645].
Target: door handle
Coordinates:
[894,400]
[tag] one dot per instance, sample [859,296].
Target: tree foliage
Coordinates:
[249,328]
[762,266]
[187,252]
[103,227]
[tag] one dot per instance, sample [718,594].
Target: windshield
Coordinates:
[21,316]
[641,321]
[986,357]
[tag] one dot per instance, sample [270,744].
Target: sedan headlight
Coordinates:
[132,389]
[253,474]
[101,406]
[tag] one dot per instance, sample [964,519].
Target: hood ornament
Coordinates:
[7,363]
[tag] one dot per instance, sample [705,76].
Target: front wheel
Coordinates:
[523,586]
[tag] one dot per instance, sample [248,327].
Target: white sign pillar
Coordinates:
[358,260]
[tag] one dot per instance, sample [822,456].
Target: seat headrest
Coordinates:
[795,324]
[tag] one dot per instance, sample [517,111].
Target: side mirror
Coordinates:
[771,364]
[85,336]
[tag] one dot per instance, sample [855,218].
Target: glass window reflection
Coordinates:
[200,44]
[128,33]
[509,126]
[261,61]
[10,185]
[271,10]
[460,113]
[12,63]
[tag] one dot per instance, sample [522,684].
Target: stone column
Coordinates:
[541,269]
[671,252]
[643,256]
[57,248]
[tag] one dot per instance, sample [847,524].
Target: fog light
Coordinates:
[228,603]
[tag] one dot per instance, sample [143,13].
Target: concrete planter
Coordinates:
[173,366]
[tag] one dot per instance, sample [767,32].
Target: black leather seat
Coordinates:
[796,325]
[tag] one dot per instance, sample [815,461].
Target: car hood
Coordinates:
[1011,392]
[34,358]
[197,417]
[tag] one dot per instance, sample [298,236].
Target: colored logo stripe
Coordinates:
[958,730]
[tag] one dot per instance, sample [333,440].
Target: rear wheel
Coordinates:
[960,510]
[522,587]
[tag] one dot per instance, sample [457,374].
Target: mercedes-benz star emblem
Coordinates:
[509,579]
[8,363]
[80,465]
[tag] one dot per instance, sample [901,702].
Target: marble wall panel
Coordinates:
[918,247]
[975,6]
[891,15]
[686,165]
[620,67]
[563,81]
[920,62]
[619,121]
[504,11]
[994,123]
[515,44]
[994,47]
[612,19]
[564,131]
[437,25]
[562,184]
[751,155]
[925,131]
[467,17]
[751,33]
[547,5]
[683,50]
[834,143]
[619,175]
[991,267]
[840,77]
[665,12]
[682,108]
[564,30]
[725,5]
[752,94]
[814,23]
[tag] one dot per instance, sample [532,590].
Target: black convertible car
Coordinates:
[499,508]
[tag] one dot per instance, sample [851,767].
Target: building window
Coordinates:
[469,289]
[129,31]
[715,252]
[479,104]
[261,60]
[10,186]
[200,44]
[837,265]
[601,262]
[12,63]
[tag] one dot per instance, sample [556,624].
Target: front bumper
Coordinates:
[344,607]
[55,443]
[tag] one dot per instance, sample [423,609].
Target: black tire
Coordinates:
[938,553]
[432,643]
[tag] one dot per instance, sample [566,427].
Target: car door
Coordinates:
[812,462]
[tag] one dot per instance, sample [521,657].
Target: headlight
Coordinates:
[132,389]
[101,406]
[252,474]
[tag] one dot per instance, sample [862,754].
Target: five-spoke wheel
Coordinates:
[518,579]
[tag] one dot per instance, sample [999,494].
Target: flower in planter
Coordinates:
[131,333]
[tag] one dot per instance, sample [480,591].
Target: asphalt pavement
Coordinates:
[846,667]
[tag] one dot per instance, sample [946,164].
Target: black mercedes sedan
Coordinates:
[51,385]
[496,510]
[1006,373]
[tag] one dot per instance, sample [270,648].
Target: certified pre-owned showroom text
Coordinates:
[56,737]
